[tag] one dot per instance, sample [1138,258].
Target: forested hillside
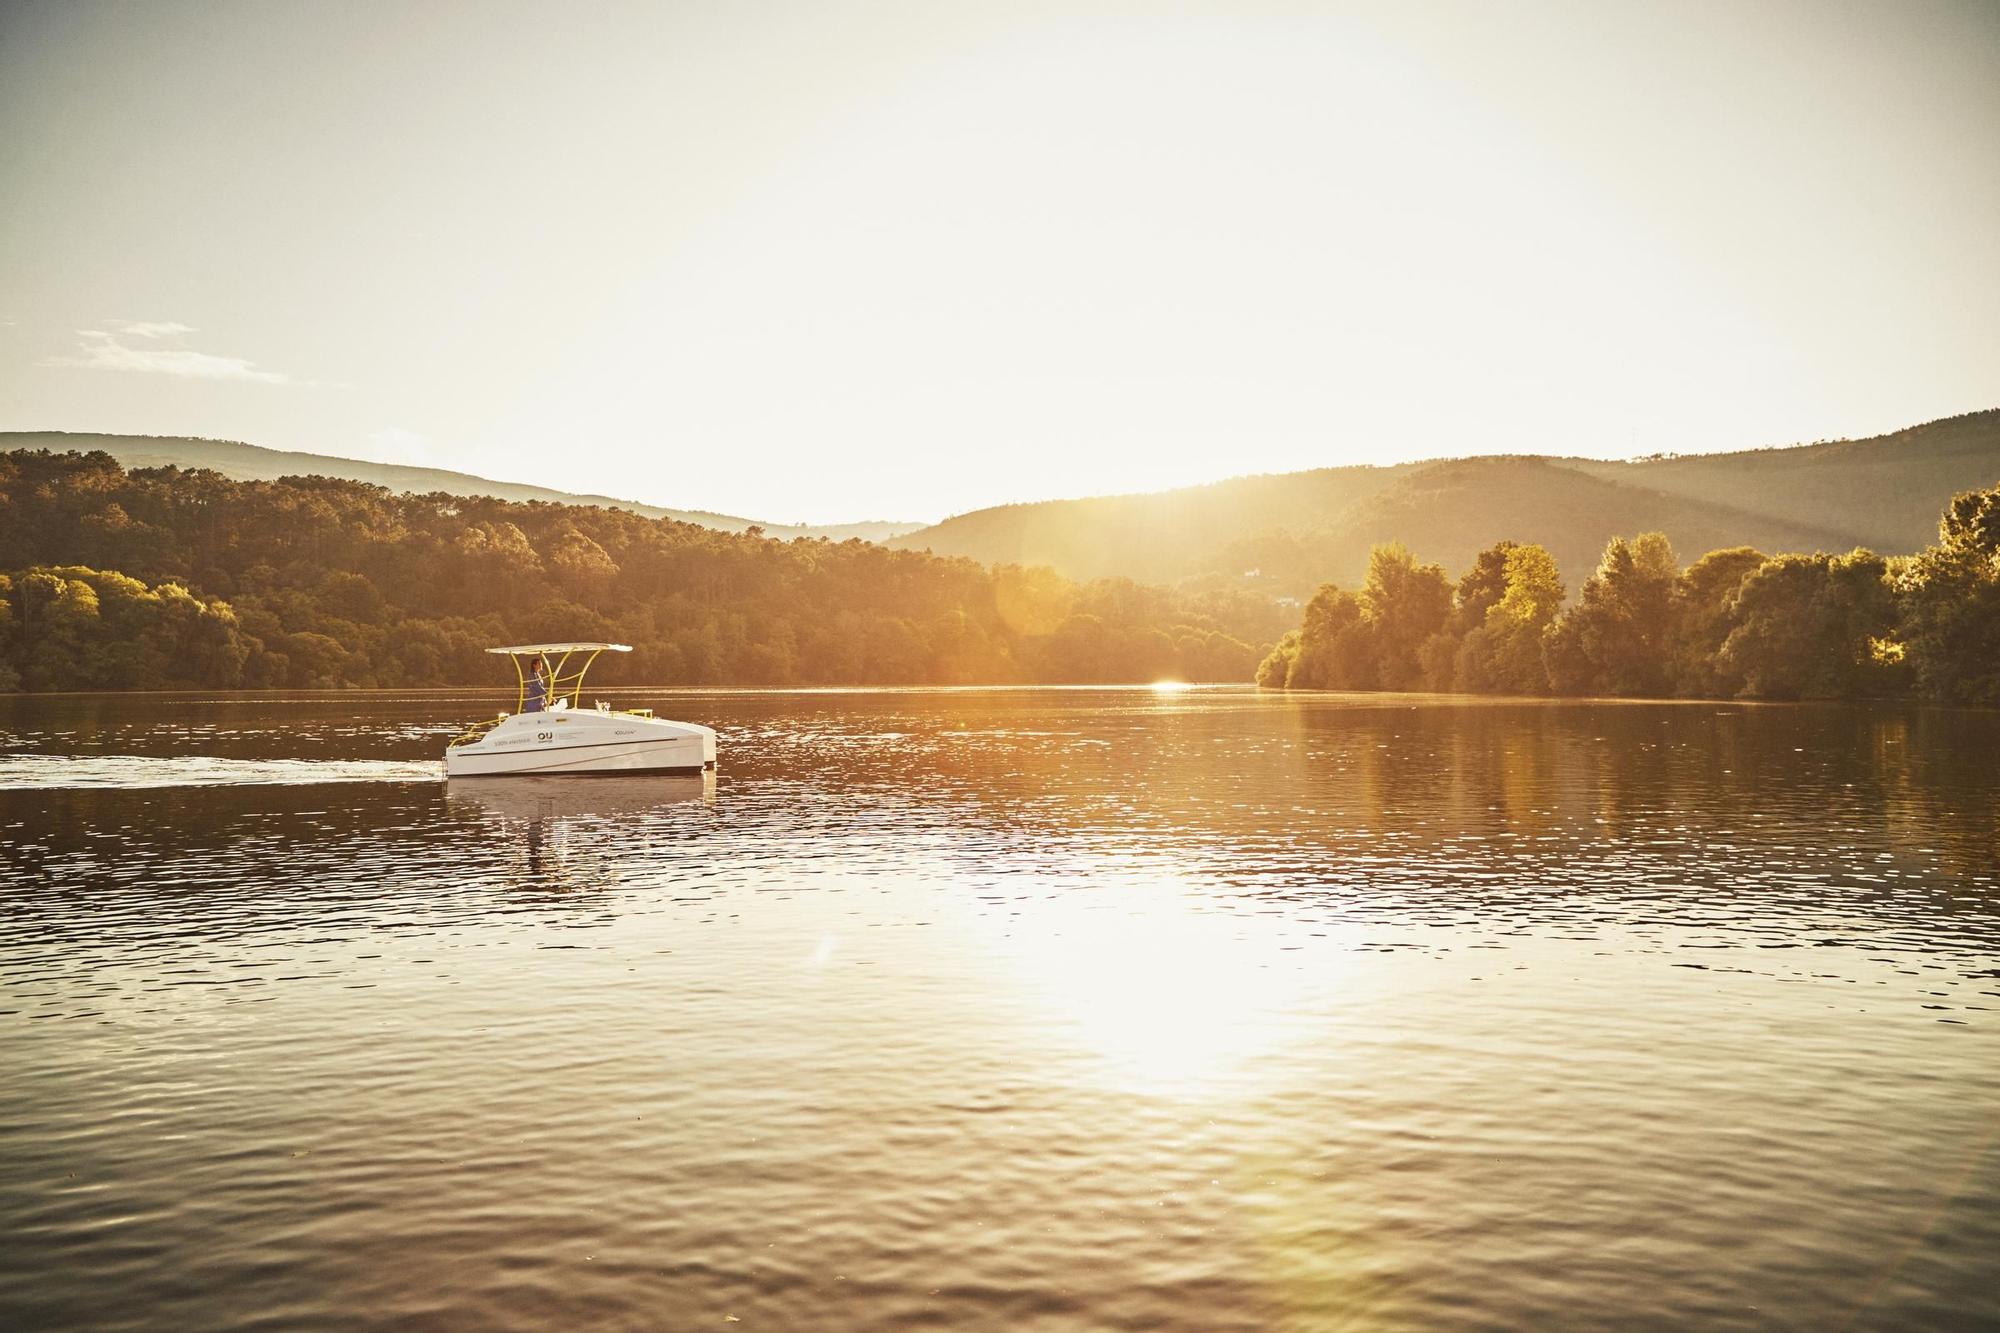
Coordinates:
[1449,512]
[1735,622]
[156,578]
[1297,530]
[1884,491]
[250,462]
[1171,535]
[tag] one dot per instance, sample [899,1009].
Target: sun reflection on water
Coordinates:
[1167,995]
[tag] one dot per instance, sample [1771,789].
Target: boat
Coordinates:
[565,739]
[539,798]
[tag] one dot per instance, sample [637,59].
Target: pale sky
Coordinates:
[825,262]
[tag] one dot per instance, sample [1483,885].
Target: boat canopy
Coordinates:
[564,683]
[564,648]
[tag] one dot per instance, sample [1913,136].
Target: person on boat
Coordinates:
[538,688]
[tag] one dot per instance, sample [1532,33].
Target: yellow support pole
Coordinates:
[556,677]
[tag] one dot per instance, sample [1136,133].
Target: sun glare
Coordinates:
[1168,995]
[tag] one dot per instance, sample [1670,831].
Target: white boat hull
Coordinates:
[577,741]
[539,798]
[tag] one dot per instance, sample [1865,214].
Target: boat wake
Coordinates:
[52,771]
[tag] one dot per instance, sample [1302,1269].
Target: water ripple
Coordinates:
[1004,1009]
[54,772]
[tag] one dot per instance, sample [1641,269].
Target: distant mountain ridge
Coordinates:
[1286,533]
[251,462]
[1283,534]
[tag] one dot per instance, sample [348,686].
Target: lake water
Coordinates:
[1004,1009]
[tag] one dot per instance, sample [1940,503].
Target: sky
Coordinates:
[834,262]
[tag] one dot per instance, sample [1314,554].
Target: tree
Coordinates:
[1700,620]
[1336,645]
[1613,641]
[56,616]
[1403,604]
[581,568]
[495,560]
[1950,596]
[340,583]
[1480,587]
[1437,662]
[1815,627]
[1208,654]
[1274,672]
[316,661]
[1033,599]
[10,678]
[78,628]
[1505,652]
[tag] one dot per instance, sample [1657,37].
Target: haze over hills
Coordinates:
[1288,533]
[250,462]
[1285,534]
[1886,490]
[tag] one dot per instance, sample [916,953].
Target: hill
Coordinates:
[1174,535]
[1886,491]
[157,578]
[1287,533]
[1449,512]
[250,462]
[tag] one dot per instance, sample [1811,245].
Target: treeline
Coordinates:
[162,578]
[1734,623]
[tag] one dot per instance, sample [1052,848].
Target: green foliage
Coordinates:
[1285,535]
[321,582]
[1403,604]
[1809,626]
[1480,587]
[1702,615]
[75,628]
[10,677]
[1337,648]
[1381,638]
[1951,604]
[163,578]
[249,462]
[1504,653]
[1736,622]
[1611,642]
[1275,671]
